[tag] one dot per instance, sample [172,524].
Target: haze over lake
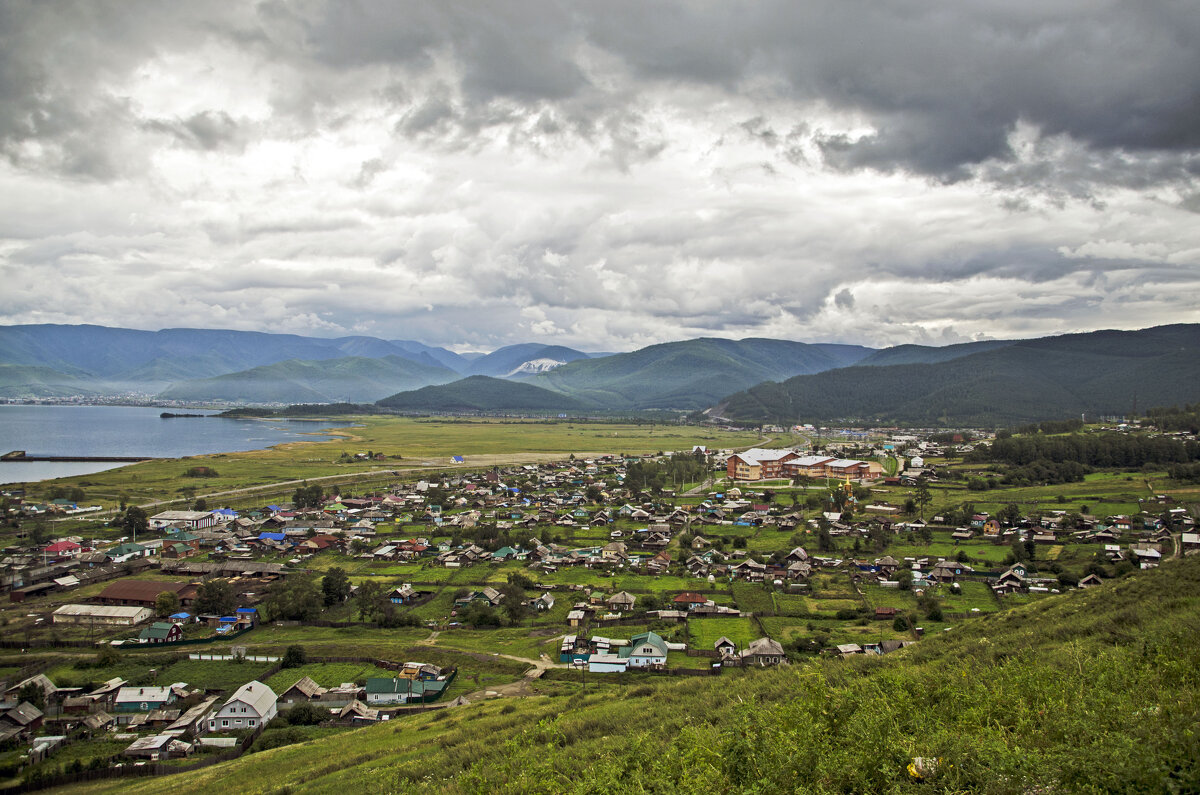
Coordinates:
[128,431]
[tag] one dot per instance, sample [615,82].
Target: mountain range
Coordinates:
[749,381]
[1098,373]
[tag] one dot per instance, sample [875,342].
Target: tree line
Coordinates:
[1118,450]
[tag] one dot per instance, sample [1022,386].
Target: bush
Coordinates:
[305,715]
[294,657]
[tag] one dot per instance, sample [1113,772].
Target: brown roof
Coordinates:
[144,590]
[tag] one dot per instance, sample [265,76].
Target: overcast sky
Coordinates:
[604,175]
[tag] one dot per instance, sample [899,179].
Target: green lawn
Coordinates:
[704,632]
[326,674]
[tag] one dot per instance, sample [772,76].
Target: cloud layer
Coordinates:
[603,175]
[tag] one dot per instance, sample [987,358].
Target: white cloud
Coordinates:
[543,175]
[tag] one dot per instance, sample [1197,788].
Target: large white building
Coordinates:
[119,615]
[251,705]
[192,520]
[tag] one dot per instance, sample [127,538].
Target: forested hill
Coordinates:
[691,374]
[1091,691]
[1102,372]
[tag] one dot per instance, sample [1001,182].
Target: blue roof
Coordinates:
[273,508]
[228,619]
[271,536]
[247,610]
[181,615]
[226,512]
[458,459]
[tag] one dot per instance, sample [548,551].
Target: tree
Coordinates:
[297,598]
[335,586]
[34,694]
[215,597]
[135,521]
[904,579]
[166,603]
[308,496]
[38,534]
[294,657]
[200,505]
[371,599]
[513,604]
[922,497]
[522,580]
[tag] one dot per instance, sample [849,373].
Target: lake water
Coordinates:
[128,431]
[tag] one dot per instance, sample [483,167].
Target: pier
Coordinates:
[21,455]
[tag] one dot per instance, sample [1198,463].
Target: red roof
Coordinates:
[63,546]
[690,597]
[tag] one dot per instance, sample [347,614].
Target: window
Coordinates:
[225,722]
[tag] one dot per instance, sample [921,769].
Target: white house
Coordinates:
[252,704]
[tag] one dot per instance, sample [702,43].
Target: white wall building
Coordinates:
[251,705]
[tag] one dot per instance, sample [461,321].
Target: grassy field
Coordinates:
[704,632]
[326,674]
[411,445]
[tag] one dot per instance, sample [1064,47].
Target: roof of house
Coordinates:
[255,695]
[142,590]
[134,695]
[764,646]
[159,630]
[307,687]
[646,638]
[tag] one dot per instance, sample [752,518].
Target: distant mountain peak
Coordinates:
[535,366]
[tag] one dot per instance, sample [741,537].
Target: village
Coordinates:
[185,637]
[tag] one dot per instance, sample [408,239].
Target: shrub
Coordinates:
[294,657]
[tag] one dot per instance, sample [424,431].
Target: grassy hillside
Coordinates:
[1093,691]
[349,379]
[1053,377]
[481,393]
[25,381]
[691,374]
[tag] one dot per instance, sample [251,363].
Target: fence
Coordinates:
[130,770]
[230,657]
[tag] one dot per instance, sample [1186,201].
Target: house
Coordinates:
[158,747]
[646,650]
[725,647]
[22,720]
[763,652]
[162,632]
[251,704]
[402,595]
[304,690]
[358,712]
[1090,581]
[688,600]
[143,699]
[398,690]
[622,601]
[63,550]
[543,602]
